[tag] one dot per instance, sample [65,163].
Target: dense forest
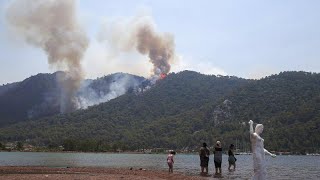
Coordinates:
[185,109]
[40,95]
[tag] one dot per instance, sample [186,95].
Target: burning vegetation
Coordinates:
[52,26]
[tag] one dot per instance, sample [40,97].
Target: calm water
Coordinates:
[281,167]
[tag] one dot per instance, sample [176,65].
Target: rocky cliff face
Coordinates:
[222,112]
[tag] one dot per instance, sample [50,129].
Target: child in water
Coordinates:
[170,160]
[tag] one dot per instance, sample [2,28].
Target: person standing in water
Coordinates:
[231,159]
[258,152]
[170,160]
[204,154]
[218,157]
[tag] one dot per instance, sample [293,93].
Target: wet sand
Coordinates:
[93,173]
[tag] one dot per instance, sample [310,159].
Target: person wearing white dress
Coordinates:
[258,152]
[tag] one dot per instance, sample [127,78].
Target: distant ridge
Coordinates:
[39,95]
[188,108]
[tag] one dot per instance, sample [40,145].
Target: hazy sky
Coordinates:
[249,39]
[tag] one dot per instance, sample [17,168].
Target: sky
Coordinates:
[244,38]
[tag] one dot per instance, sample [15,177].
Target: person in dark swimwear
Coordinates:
[231,159]
[204,154]
[218,157]
[170,160]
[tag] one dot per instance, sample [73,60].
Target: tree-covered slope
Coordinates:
[288,105]
[18,102]
[124,119]
[187,108]
[40,95]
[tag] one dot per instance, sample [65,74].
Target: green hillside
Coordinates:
[40,95]
[187,108]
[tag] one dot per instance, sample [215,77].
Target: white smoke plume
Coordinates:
[52,26]
[139,34]
[102,91]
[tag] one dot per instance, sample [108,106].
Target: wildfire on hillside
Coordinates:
[163,75]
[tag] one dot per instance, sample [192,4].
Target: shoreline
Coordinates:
[102,152]
[39,172]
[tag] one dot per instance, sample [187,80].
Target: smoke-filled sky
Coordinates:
[245,38]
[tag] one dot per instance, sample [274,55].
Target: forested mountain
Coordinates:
[40,95]
[288,105]
[5,87]
[187,108]
[18,102]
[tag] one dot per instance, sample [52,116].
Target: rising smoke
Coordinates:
[52,26]
[94,92]
[139,34]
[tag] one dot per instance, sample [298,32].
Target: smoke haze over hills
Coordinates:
[53,27]
[40,95]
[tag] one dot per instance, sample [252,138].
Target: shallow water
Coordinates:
[281,167]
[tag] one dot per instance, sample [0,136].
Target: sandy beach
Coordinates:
[79,173]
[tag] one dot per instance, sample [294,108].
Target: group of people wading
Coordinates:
[258,152]
[204,154]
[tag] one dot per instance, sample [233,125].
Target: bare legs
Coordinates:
[204,168]
[218,170]
[170,167]
[234,167]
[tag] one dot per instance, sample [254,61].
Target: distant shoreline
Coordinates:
[109,152]
[132,152]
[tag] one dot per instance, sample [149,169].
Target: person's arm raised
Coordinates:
[251,129]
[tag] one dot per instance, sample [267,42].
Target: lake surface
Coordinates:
[281,167]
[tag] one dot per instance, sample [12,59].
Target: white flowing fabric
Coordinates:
[259,164]
[258,151]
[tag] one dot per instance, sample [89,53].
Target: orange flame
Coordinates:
[163,75]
